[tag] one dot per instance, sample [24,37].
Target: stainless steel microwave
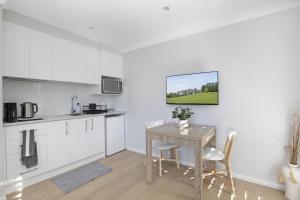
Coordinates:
[111,85]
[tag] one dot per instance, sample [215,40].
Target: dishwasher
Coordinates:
[115,133]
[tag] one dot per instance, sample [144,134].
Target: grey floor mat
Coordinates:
[75,178]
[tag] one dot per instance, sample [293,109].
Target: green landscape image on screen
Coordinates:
[201,88]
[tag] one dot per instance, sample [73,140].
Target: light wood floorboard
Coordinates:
[127,182]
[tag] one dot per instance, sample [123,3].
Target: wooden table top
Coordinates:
[193,132]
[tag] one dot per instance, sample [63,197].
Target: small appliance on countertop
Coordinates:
[28,110]
[93,108]
[10,112]
[75,110]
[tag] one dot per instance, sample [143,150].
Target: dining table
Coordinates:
[195,136]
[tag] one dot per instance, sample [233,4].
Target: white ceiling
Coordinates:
[132,24]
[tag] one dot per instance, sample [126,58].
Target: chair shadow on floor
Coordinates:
[214,187]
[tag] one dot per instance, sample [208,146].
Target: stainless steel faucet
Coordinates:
[74,103]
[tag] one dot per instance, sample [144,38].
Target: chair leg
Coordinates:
[229,176]
[160,159]
[177,157]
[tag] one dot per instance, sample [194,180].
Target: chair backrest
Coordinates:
[154,123]
[229,142]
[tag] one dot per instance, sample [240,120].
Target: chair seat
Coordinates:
[210,153]
[165,146]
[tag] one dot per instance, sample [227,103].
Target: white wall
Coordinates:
[259,67]
[54,98]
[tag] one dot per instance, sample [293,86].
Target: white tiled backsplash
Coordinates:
[54,98]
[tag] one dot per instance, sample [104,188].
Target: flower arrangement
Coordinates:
[294,143]
[182,113]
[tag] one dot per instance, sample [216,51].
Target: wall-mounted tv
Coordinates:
[195,89]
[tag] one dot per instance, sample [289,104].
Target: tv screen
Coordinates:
[197,88]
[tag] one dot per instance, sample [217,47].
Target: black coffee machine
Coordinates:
[10,112]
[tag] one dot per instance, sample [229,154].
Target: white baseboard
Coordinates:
[237,176]
[259,181]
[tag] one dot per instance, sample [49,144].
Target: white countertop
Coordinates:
[62,117]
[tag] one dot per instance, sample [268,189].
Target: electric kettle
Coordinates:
[28,109]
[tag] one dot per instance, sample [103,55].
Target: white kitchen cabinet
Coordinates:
[111,64]
[96,135]
[13,151]
[93,66]
[61,60]
[41,56]
[79,63]
[59,144]
[16,50]
[115,134]
[36,55]
[79,139]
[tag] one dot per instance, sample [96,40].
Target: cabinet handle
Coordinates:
[92,124]
[85,125]
[31,170]
[67,130]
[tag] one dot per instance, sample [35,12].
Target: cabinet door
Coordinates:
[111,64]
[93,66]
[97,135]
[78,63]
[79,139]
[13,137]
[59,141]
[61,60]
[115,134]
[41,54]
[16,50]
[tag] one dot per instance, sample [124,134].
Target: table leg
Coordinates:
[148,158]
[198,172]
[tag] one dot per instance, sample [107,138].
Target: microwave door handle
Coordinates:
[103,85]
[119,86]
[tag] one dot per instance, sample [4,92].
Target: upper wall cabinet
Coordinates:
[111,65]
[16,50]
[79,63]
[41,50]
[61,60]
[93,66]
[36,55]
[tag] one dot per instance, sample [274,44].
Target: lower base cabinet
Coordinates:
[96,135]
[73,140]
[59,142]
[79,139]
[14,166]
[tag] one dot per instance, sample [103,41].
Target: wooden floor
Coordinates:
[127,182]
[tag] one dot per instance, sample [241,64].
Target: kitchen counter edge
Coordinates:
[61,118]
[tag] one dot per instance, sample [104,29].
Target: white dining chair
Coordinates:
[213,154]
[162,147]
